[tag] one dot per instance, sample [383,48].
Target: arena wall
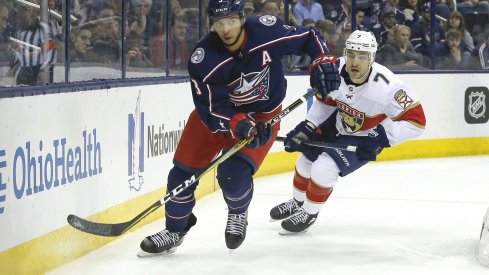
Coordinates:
[104,155]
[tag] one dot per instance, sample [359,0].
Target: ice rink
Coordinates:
[403,217]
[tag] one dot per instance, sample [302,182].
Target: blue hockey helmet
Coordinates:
[224,8]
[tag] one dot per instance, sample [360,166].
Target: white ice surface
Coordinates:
[403,217]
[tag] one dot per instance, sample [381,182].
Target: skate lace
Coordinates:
[300,217]
[236,224]
[164,237]
[288,206]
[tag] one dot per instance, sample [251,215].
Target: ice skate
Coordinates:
[164,242]
[284,210]
[299,222]
[235,230]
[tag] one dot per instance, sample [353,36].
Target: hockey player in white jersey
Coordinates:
[372,109]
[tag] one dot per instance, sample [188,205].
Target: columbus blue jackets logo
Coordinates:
[268,20]
[351,119]
[197,56]
[250,87]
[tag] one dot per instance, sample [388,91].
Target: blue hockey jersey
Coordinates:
[250,80]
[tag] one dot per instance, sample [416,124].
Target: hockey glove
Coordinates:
[325,76]
[302,132]
[370,146]
[244,127]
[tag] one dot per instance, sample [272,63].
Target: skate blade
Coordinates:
[284,232]
[273,220]
[144,254]
[231,252]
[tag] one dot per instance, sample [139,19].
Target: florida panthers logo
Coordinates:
[351,119]
[250,87]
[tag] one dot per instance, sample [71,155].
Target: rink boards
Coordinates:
[105,155]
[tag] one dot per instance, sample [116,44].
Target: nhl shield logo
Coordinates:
[477,105]
[476,101]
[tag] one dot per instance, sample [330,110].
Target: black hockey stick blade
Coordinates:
[320,144]
[117,229]
[109,229]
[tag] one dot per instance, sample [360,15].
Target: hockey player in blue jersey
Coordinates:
[238,85]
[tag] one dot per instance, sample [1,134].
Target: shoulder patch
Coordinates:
[403,99]
[197,56]
[268,20]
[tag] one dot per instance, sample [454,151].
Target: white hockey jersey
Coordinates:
[383,99]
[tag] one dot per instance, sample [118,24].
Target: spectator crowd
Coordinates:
[31,47]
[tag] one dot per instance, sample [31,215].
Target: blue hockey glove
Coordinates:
[302,132]
[263,135]
[370,146]
[325,76]
[243,126]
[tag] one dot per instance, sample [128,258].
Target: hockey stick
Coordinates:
[320,144]
[117,229]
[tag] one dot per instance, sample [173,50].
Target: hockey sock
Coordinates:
[316,196]
[236,181]
[179,208]
[300,187]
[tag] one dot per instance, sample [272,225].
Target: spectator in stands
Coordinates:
[481,6]
[80,38]
[338,11]
[328,30]
[450,54]
[359,19]
[374,7]
[35,49]
[136,56]
[5,52]
[398,53]
[105,36]
[441,8]
[178,51]
[138,16]
[270,7]
[382,31]
[421,36]
[191,16]
[394,6]
[456,22]
[481,53]
[308,9]
[249,9]
[343,32]
[411,9]
[301,62]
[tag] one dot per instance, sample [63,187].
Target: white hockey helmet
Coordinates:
[362,41]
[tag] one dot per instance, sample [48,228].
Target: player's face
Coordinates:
[228,29]
[357,64]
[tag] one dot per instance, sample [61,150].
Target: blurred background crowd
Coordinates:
[160,34]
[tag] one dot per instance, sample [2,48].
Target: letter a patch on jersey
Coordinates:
[403,99]
[266,58]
